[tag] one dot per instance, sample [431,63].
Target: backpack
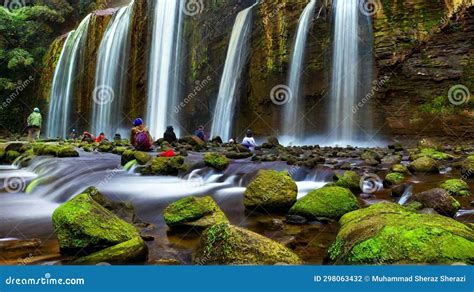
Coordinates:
[142,142]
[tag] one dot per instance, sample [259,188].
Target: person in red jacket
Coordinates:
[100,138]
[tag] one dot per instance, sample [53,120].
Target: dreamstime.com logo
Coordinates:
[103,95]
[193,7]
[370,183]
[370,7]
[459,95]
[14,4]
[281,94]
[46,280]
[14,184]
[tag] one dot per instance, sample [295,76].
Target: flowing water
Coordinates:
[62,89]
[163,81]
[293,127]
[351,73]
[237,57]
[111,74]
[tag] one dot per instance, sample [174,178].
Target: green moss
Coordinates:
[400,168]
[387,233]
[81,224]
[195,212]
[230,245]
[105,147]
[326,203]
[11,156]
[127,156]
[216,161]
[166,166]
[350,180]
[132,251]
[272,191]
[435,154]
[424,165]
[394,178]
[456,187]
[119,150]
[48,150]
[141,157]
[67,151]
[2,154]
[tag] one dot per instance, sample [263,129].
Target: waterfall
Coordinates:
[237,56]
[62,89]
[164,67]
[293,127]
[111,74]
[350,75]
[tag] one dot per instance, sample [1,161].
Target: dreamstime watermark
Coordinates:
[21,86]
[14,184]
[281,94]
[370,183]
[199,86]
[370,7]
[47,279]
[109,177]
[193,7]
[377,86]
[459,95]
[103,95]
[14,4]
[25,261]
[272,14]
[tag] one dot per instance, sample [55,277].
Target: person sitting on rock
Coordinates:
[87,137]
[100,138]
[140,138]
[118,137]
[200,133]
[34,124]
[73,135]
[249,141]
[169,135]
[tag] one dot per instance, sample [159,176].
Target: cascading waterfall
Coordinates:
[237,56]
[351,73]
[164,66]
[62,89]
[111,73]
[293,127]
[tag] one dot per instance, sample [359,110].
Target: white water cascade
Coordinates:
[62,90]
[111,74]
[293,127]
[351,74]
[163,84]
[236,60]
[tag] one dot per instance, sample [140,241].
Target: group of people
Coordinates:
[140,137]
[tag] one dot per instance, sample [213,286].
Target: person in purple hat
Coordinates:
[140,138]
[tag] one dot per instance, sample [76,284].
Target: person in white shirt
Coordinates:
[249,141]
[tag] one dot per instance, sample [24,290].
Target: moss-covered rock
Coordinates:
[456,187]
[132,251]
[124,210]
[193,141]
[350,180]
[48,150]
[424,165]
[67,151]
[2,155]
[387,233]
[127,156]
[224,244]
[216,161]
[272,191]
[119,150]
[142,157]
[435,154]
[165,166]
[439,200]
[400,168]
[394,178]
[467,168]
[82,225]
[11,156]
[326,203]
[105,146]
[194,212]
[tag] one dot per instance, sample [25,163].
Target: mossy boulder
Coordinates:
[326,203]
[400,168]
[83,225]
[193,141]
[194,212]
[127,156]
[467,168]
[349,179]
[217,161]
[424,165]
[48,150]
[387,233]
[456,187]
[271,190]
[439,200]
[132,251]
[105,146]
[165,166]
[11,156]
[67,151]
[435,154]
[238,155]
[393,178]
[142,157]
[371,155]
[224,244]
[119,150]
[124,210]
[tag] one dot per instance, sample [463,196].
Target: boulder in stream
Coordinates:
[456,187]
[424,164]
[387,233]
[438,199]
[224,244]
[217,161]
